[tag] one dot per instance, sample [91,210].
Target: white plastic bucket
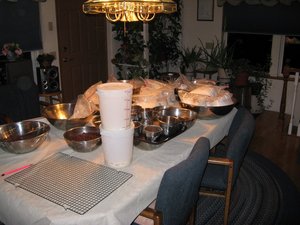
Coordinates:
[117,146]
[115,105]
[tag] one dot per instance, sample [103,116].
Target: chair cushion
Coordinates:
[214,177]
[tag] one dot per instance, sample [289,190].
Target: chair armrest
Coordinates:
[220,161]
[224,162]
[153,214]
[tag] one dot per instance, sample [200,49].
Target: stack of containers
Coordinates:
[116,127]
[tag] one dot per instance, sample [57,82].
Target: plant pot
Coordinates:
[222,73]
[45,64]
[11,56]
[255,107]
[241,79]
[223,77]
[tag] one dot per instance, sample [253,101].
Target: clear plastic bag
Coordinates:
[83,108]
[91,95]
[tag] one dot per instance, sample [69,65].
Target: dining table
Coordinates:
[19,206]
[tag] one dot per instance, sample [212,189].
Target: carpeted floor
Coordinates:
[263,195]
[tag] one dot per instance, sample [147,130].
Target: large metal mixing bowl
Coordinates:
[58,115]
[210,112]
[23,137]
[83,139]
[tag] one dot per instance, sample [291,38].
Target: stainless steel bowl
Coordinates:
[83,139]
[147,146]
[186,116]
[210,112]
[58,115]
[136,85]
[96,120]
[23,137]
[169,124]
[136,112]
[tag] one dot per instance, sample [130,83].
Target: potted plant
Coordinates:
[260,84]
[45,60]
[164,42]
[241,69]
[254,76]
[129,58]
[219,56]
[12,51]
[190,59]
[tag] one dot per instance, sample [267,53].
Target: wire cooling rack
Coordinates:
[75,184]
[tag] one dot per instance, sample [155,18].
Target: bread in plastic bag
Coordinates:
[92,96]
[155,93]
[83,108]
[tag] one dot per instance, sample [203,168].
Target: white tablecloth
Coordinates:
[19,207]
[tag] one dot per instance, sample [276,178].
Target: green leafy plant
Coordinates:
[260,84]
[45,60]
[164,41]
[240,71]
[129,58]
[163,45]
[218,56]
[258,78]
[191,57]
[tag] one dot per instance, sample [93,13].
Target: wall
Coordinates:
[194,30]
[49,29]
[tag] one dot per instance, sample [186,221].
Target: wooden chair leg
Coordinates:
[192,219]
[228,194]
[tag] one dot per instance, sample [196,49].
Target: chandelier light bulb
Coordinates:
[129,11]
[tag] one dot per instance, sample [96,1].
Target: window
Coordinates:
[258,47]
[244,21]
[291,55]
[255,47]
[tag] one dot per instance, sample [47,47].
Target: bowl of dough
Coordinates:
[209,101]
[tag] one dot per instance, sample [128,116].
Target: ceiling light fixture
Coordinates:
[129,11]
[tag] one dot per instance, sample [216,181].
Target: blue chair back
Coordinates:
[239,137]
[179,189]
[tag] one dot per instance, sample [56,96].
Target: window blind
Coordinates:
[279,19]
[20,23]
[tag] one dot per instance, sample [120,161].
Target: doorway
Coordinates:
[82,48]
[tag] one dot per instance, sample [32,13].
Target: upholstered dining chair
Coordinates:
[224,163]
[179,190]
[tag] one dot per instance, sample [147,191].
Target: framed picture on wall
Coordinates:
[205,10]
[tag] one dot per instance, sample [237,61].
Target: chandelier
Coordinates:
[129,11]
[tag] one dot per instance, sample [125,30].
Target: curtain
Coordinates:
[256,2]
